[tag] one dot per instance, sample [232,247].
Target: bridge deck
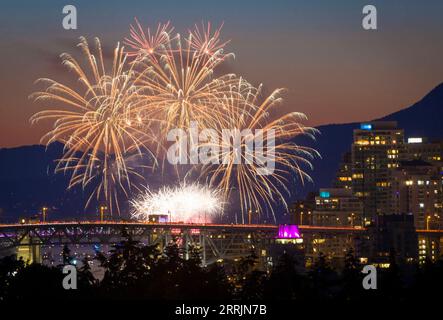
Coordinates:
[170,225]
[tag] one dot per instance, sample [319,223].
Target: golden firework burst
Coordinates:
[257,158]
[98,121]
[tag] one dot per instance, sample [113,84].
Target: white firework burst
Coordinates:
[189,203]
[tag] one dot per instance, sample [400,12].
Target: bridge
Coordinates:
[218,241]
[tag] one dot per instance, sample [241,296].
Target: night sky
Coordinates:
[333,70]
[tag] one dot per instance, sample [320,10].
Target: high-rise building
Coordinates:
[337,207]
[393,236]
[419,148]
[391,186]
[417,187]
[376,151]
[429,248]
[343,177]
[300,212]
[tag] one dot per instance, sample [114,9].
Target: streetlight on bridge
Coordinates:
[102,212]
[44,211]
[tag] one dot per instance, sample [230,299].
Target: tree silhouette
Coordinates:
[66,255]
[285,282]
[133,270]
[127,267]
[37,282]
[323,279]
[391,285]
[9,267]
[428,281]
[217,286]
[351,278]
[86,279]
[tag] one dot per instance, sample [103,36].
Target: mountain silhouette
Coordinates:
[28,182]
[424,118]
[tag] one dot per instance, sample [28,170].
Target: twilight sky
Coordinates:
[333,70]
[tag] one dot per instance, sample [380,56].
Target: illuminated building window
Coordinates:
[325,194]
[362,142]
[415,140]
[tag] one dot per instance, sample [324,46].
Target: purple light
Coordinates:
[288,231]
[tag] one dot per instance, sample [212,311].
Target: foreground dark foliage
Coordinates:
[137,271]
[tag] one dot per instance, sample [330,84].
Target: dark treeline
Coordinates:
[137,271]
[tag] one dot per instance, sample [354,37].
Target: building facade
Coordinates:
[417,187]
[337,207]
[376,152]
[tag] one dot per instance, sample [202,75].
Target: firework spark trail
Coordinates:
[204,42]
[181,83]
[257,191]
[97,122]
[148,43]
[183,203]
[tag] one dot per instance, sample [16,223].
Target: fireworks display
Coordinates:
[171,82]
[147,43]
[181,84]
[96,122]
[258,169]
[185,203]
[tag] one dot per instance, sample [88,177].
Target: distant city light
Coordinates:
[366,126]
[288,231]
[415,140]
